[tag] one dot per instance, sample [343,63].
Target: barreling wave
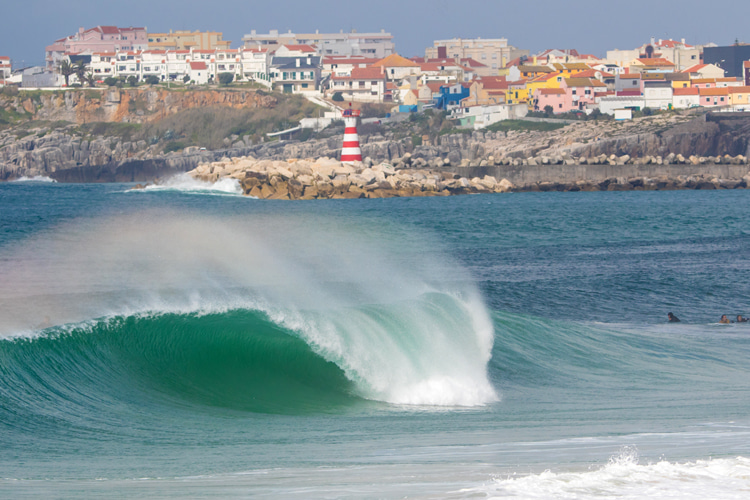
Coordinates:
[237,359]
[232,314]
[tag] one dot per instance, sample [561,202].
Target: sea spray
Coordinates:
[187,184]
[406,327]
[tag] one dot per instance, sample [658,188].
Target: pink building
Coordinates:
[99,39]
[574,94]
[582,92]
[556,98]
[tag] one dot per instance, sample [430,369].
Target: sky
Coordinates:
[588,26]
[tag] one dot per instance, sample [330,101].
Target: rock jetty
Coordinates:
[327,178]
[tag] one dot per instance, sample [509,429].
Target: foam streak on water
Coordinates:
[625,478]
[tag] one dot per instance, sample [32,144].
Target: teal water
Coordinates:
[173,343]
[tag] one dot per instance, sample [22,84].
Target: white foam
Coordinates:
[188,184]
[36,178]
[625,478]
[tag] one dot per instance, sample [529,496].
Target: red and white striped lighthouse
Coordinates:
[350,151]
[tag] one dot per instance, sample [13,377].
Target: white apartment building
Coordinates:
[374,45]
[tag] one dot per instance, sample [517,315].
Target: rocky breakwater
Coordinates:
[615,173]
[326,178]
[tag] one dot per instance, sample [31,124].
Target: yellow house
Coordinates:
[549,81]
[739,96]
[517,92]
[679,80]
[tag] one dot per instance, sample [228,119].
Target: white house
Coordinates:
[609,104]
[685,98]
[363,85]
[479,117]
[255,64]
[199,72]
[658,94]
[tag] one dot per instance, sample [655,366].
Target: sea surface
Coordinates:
[189,342]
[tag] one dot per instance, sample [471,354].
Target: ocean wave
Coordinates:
[36,178]
[397,334]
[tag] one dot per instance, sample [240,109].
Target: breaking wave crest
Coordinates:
[275,315]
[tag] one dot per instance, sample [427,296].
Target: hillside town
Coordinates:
[477,81]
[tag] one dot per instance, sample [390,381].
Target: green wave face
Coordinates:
[237,360]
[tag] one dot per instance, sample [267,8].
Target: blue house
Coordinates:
[451,95]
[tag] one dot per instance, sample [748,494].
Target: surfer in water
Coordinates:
[740,319]
[673,318]
[724,320]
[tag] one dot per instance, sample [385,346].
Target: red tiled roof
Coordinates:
[434,86]
[107,30]
[300,48]
[395,61]
[693,69]
[430,67]
[198,65]
[5,58]
[552,91]
[654,61]
[472,63]
[739,90]
[363,74]
[721,91]
[670,44]
[629,93]
[686,91]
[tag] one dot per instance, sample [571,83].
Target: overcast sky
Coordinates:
[588,26]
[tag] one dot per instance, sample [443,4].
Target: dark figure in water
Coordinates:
[724,320]
[740,319]
[673,318]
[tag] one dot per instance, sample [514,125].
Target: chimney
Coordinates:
[683,41]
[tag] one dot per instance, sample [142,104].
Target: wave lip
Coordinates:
[429,351]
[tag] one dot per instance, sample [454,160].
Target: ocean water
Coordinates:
[186,341]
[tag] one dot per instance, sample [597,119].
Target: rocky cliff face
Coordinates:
[67,157]
[137,105]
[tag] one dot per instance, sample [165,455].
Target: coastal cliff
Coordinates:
[140,135]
